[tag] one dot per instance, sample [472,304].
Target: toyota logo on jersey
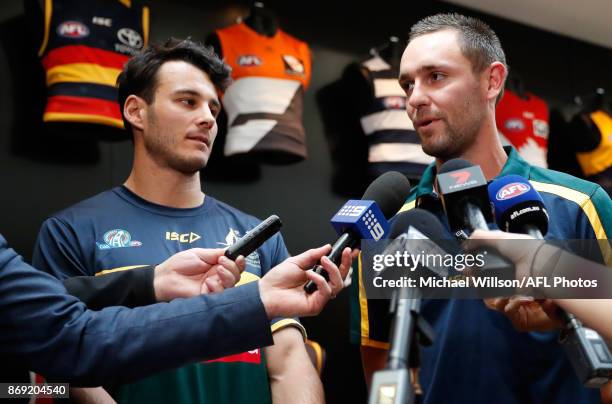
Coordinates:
[72,29]
[512,190]
[130,38]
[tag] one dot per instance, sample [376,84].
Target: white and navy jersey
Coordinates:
[393,143]
[264,103]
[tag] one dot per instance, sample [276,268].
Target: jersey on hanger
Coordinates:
[264,103]
[523,123]
[393,144]
[85,45]
[600,159]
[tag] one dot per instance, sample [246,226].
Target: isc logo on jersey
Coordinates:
[72,29]
[117,238]
[512,190]
[182,237]
[249,61]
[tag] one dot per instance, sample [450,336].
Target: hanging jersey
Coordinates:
[264,103]
[117,230]
[85,45]
[600,159]
[524,125]
[393,143]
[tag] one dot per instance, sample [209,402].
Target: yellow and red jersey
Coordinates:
[264,103]
[85,45]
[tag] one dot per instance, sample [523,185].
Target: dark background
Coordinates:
[35,184]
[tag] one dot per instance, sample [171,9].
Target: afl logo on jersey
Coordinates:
[72,29]
[514,125]
[395,102]
[293,65]
[512,190]
[130,38]
[117,238]
[249,61]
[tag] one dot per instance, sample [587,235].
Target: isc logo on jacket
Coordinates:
[85,45]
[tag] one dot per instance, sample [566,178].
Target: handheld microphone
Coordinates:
[393,384]
[465,199]
[418,231]
[520,209]
[366,218]
[254,238]
[463,190]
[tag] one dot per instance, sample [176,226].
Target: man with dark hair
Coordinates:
[140,76]
[453,72]
[169,96]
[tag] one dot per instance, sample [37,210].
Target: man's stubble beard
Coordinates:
[163,149]
[455,139]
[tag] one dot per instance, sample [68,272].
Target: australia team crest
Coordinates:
[117,238]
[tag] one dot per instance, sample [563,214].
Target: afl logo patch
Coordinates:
[249,61]
[395,102]
[72,29]
[514,125]
[512,190]
[293,65]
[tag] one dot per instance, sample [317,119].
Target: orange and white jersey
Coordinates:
[264,103]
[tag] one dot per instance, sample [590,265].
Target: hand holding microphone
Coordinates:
[366,218]
[282,288]
[206,270]
[520,208]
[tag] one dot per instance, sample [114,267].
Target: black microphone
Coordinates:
[463,189]
[357,220]
[408,328]
[418,231]
[254,238]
